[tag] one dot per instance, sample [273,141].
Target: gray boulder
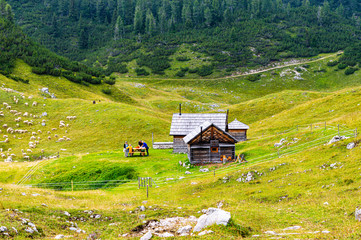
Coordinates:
[350,145]
[147,236]
[204,170]
[184,231]
[336,139]
[60,236]
[358,214]
[3,229]
[212,216]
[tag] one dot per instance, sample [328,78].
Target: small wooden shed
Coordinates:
[184,123]
[208,142]
[238,130]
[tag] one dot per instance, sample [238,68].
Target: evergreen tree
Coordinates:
[138,19]
[187,16]
[9,13]
[150,24]
[84,38]
[208,17]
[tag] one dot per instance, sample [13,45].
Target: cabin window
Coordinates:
[214,149]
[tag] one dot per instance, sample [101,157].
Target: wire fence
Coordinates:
[329,131]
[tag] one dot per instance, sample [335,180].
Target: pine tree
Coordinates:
[9,13]
[340,10]
[150,24]
[208,17]
[138,20]
[187,16]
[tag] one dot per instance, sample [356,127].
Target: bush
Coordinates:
[55,72]
[350,71]
[107,91]
[193,70]
[71,77]
[332,63]
[205,70]
[254,77]
[39,70]
[180,74]
[110,81]
[183,59]
[141,72]
[306,66]
[342,66]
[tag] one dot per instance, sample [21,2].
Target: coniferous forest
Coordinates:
[234,33]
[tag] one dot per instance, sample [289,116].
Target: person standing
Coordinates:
[140,143]
[126,150]
[146,147]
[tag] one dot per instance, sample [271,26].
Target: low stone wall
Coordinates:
[163,145]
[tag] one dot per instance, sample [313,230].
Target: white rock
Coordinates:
[147,236]
[270,232]
[184,230]
[350,145]
[358,214]
[205,232]
[213,216]
[325,231]
[187,172]
[165,235]
[3,229]
[73,229]
[277,144]
[60,236]
[293,228]
[204,170]
[325,203]
[336,139]
[66,213]
[35,194]
[15,230]
[29,230]
[142,208]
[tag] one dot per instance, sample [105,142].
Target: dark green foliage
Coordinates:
[141,72]
[16,78]
[107,91]
[254,77]
[350,71]
[348,181]
[180,74]
[342,66]
[110,80]
[236,229]
[114,65]
[332,63]
[193,70]
[183,59]
[205,70]
[39,70]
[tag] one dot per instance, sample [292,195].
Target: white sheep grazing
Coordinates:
[17,125]
[32,138]
[8,107]
[42,150]
[1,150]
[5,104]
[32,146]
[12,155]
[5,136]
[56,135]
[34,133]
[5,126]
[61,125]
[61,140]
[10,130]
[25,114]
[358,214]
[36,142]
[10,149]
[62,149]
[26,104]
[49,132]
[49,138]
[39,138]
[30,123]
[6,140]
[29,150]
[2,115]
[26,157]
[3,155]
[53,129]
[18,119]
[22,96]
[35,104]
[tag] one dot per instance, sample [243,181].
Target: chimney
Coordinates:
[180,109]
[227,120]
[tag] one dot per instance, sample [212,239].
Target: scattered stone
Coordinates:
[3,229]
[142,208]
[142,216]
[66,213]
[293,228]
[205,232]
[213,216]
[44,205]
[270,232]
[187,172]
[165,235]
[97,216]
[278,144]
[60,236]
[125,234]
[358,214]
[184,231]
[73,229]
[169,179]
[336,139]
[15,230]
[35,194]
[29,230]
[325,231]
[351,145]
[204,170]
[147,236]
[181,177]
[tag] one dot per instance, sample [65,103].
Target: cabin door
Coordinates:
[215,151]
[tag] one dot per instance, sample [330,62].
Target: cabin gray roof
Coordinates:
[185,123]
[203,127]
[237,125]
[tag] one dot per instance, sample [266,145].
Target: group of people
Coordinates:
[129,150]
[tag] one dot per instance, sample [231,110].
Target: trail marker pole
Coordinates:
[72,186]
[147,191]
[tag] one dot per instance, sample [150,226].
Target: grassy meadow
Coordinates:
[305,183]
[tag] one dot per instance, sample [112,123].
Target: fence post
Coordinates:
[147,191]
[138,182]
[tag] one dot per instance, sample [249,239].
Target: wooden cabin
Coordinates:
[207,143]
[183,124]
[238,130]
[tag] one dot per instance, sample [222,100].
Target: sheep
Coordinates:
[34,133]
[29,150]
[5,126]
[6,140]
[42,150]
[32,146]
[71,117]
[35,104]
[39,138]
[32,138]
[2,115]
[5,104]
[25,114]
[17,125]
[5,136]
[56,135]
[12,155]
[61,125]
[37,142]
[68,139]
[10,130]
[49,132]
[61,140]
[9,149]
[30,123]
[62,149]
[26,104]
[8,107]
[26,157]
[3,155]
[49,138]
[18,119]
[53,129]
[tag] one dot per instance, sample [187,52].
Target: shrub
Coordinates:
[350,71]
[141,72]
[180,74]
[332,63]
[254,77]
[39,70]
[110,80]
[205,70]
[185,69]
[306,66]
[193,70]
[107,91]
[183,58]
[342,66]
